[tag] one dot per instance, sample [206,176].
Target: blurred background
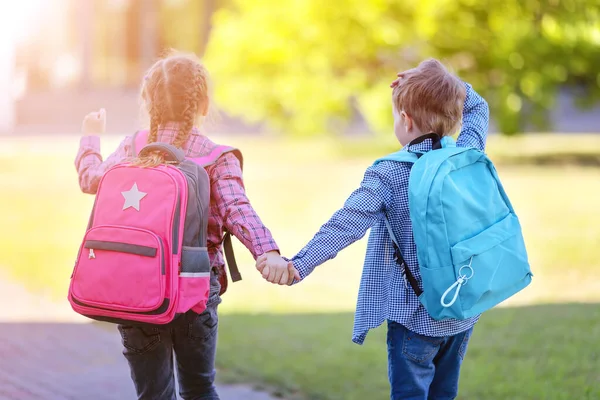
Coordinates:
[302,88]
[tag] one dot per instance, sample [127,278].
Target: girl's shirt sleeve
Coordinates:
[235,209]
[89,164]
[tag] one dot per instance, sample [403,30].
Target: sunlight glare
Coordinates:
[17,18]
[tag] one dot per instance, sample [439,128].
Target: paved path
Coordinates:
[48,352]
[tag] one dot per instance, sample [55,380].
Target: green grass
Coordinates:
[298,339]
[546,352]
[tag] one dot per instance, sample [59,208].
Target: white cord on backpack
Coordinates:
[460,282]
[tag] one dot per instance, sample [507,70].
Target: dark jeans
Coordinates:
[193,338]
[424,367]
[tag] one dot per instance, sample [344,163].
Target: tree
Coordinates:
[306,65]
[187,24]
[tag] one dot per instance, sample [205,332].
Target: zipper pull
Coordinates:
[92,255]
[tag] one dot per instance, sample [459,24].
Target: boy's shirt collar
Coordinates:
[420,147]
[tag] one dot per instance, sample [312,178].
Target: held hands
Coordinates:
[275,269]
[94,123]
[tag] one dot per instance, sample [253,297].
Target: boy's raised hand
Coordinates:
[94,123]
[276,270]
[401,75]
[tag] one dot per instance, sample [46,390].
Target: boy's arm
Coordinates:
[476,118]
[364,208]
[89,164]
[239,218]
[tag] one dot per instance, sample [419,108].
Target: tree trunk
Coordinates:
[86,42]
[208,11]
[7,101]
[7,66]
[148,32]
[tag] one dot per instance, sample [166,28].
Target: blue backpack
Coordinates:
[470,247]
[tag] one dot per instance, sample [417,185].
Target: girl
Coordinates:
[176,97]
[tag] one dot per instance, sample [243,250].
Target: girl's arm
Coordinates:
[89,164]
[233,205]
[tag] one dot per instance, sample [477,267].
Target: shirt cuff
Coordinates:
[88,146]
[295,280]
[302,270]
[265,246]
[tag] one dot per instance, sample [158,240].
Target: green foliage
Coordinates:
[307,65]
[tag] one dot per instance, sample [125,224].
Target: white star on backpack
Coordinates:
[133,197]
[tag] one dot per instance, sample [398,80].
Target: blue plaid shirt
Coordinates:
[383,294]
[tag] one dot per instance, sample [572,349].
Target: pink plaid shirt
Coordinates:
[229,206]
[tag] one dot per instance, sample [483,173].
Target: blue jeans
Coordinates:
[193,339]
[422,367]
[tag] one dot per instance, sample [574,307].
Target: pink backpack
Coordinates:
[144,257]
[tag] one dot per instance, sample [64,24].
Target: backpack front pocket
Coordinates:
[121,269]
[491,267]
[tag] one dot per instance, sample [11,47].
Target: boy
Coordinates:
[424,355]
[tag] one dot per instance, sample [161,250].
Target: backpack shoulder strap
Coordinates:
[399,156]
[404,155]
[400,260]
[214,155]
[205,161]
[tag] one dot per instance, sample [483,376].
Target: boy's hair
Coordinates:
[175,89]
[432,97]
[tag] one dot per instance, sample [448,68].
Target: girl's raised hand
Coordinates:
[94,123]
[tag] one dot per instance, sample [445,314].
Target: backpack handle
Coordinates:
[173,153]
